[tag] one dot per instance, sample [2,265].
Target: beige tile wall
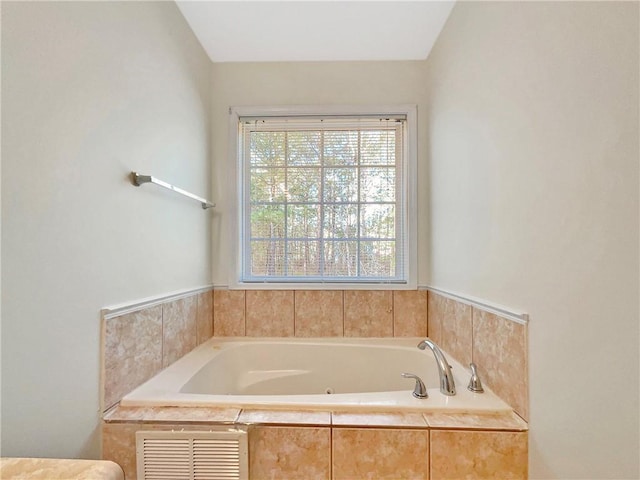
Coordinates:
[132,352]
[179,329]
[320,313]
[450,326]
[229,313]
[204,317]
[478,455]
[338,445]
[269,313]
[410,313]
[385,448]
[138,345]
[497,345]
[373,453]
[368,313]
[500,352]
[290,453]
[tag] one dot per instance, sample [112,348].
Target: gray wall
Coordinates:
[533,130]
[90,91]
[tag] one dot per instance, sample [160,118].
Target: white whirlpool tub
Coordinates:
[312,374]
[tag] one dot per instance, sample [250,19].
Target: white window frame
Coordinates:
[409,183]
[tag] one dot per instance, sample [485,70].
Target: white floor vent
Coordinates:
[214,455]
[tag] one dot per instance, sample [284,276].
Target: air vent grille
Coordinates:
[214,455]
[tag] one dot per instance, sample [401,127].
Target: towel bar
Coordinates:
[138,179]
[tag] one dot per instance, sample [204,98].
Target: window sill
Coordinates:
[318,286]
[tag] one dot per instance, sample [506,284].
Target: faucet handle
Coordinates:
[475,385]
[420,391]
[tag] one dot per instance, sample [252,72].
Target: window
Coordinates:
[324,198]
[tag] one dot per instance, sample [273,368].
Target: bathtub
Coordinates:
[310,374]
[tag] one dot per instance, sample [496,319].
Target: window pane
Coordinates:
[377,221]
[304,258]
[340,259]
[340,185]
[303,148]
[267,221]
[267,185]
[267,258]
[323,198]
[267,148]
[377,184]
[341,147]
[303,184]
[378,147]
[303,221]
[340,221]
[377,259]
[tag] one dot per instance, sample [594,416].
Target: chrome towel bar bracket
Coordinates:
[138,179]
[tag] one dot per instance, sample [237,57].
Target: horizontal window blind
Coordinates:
[323,199]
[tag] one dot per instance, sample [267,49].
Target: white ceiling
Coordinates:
[271,31]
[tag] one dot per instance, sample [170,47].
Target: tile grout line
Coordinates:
[429,475]
[331,444]
[426,313]
[393,314]
[294,313]
[342,294]
[197,319]
[213,313]
[428,316]
[244,312]
[162,336]
[473,340]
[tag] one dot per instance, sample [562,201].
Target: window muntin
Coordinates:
[324,199]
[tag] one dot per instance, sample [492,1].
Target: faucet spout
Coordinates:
[447,385]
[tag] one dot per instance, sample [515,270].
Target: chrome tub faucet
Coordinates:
[447,385]
[420,391]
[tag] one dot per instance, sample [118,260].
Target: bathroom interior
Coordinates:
[524,252]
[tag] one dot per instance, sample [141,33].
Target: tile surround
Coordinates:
[137,345]
[319,313]
[354,419]
[289,453]
[132,344]
[284,417]
[370,453]
[269,313]
[497,345]
[340,445]
[229,313]
[410,313]
[450,326]
[172,414]
[499,350]
[467,421]
[204,317]
[368,313]
[478,455]
[179,329]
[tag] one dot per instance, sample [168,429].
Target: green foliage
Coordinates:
[323,203]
